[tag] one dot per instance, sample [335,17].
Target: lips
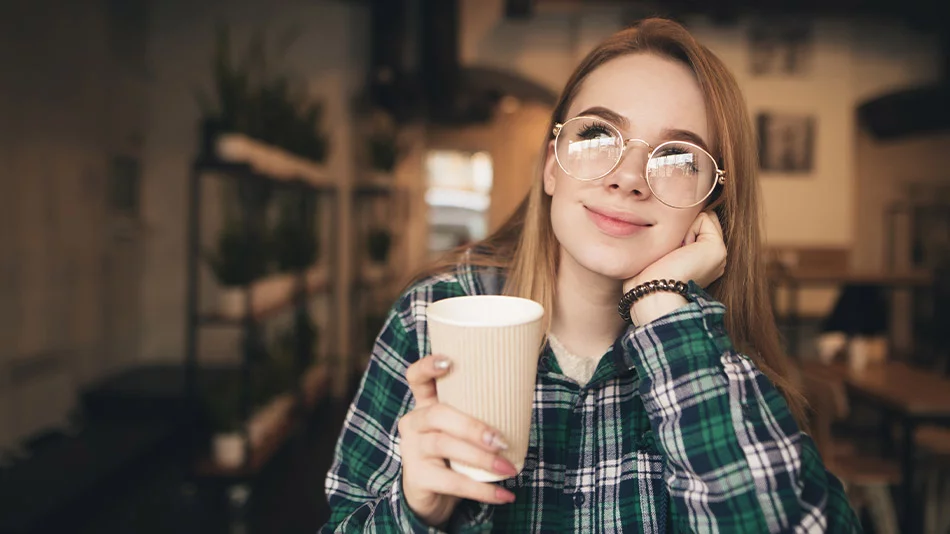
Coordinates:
[615,223]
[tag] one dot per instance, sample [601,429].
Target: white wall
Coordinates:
[331,54]
[853,60]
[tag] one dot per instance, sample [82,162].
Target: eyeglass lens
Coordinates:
[680,174]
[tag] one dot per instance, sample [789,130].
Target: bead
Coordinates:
[646,288]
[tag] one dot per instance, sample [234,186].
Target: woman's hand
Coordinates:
[433,433]
[701,258]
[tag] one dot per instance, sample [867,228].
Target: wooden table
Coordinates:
[911,395]
[795,279]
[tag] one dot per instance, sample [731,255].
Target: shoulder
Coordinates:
[460,280]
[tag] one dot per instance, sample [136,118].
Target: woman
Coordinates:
[674,414]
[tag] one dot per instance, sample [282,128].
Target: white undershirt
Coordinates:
[577,368]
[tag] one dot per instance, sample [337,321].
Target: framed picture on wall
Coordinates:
[786,142]
[780,47]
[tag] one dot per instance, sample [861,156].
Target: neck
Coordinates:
[585,315]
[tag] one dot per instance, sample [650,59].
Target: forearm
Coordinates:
[737,458]
[355,511]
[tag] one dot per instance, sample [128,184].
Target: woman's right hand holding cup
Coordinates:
[433,433]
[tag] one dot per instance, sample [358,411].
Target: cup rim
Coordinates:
[434,308]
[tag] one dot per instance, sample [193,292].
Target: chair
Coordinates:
[935,443]
[867,479]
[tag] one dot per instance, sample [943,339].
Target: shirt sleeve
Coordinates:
[736,460]
[364,484]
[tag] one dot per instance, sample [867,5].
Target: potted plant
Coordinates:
[271,395]
[294,240]
[378,245]
[254,108]
[239,259]
[383,145]
[227,110]
[223,409]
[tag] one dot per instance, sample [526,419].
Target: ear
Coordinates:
[550,170]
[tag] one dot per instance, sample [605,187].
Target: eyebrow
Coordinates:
[608,115]
[668,134]
[677,134]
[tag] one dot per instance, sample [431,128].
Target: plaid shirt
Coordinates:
[676,431]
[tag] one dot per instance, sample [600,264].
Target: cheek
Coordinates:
[615,258]
[675,228]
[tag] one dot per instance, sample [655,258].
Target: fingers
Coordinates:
[443,418]
[707,228]
[448,482]
[714,219]
[447,447]
[712,232]
[421,377]
[694,229]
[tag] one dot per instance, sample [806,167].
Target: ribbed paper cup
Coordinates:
[493,342]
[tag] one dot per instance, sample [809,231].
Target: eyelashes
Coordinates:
[594,130]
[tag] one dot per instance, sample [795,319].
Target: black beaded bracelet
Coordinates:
[635,294]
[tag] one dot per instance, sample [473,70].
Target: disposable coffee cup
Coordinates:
[493,343]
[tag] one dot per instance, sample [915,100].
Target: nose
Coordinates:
[629,175]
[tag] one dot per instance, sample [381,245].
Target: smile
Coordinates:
[615,226]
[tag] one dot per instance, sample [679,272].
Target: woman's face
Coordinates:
[614,226]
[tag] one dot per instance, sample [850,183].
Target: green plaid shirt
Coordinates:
[676,431]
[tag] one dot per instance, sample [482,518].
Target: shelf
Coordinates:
[242,169]
[376,184]
[269,296]
[270,161]
[372,275]
[260,455]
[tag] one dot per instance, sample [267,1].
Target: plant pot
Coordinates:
[273,290]
[232,301]
[265,293]
[373,273]
[227,449]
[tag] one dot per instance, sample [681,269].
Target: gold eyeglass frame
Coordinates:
[720,176]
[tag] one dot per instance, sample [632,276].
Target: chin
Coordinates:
[609,261]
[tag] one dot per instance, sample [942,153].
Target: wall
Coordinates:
[853,60]
[513,141]
[68,77]
[883,168]
[331,55]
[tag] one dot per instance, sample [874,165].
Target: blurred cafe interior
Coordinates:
[209,208]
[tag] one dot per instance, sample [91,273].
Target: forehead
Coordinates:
[654,93]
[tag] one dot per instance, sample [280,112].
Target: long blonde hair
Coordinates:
[526,247]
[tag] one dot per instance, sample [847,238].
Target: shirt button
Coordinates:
[578,499]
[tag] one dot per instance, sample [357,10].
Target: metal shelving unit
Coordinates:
[251,322]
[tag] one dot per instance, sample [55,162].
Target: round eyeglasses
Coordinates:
[678,173]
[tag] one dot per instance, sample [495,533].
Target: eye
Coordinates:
[593,131]
[672,150]
[677,156]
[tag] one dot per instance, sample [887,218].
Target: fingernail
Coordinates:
[441,363]
[504,467]
[504,495]
[495,441]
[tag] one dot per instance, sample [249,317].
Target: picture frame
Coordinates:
[786,142]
